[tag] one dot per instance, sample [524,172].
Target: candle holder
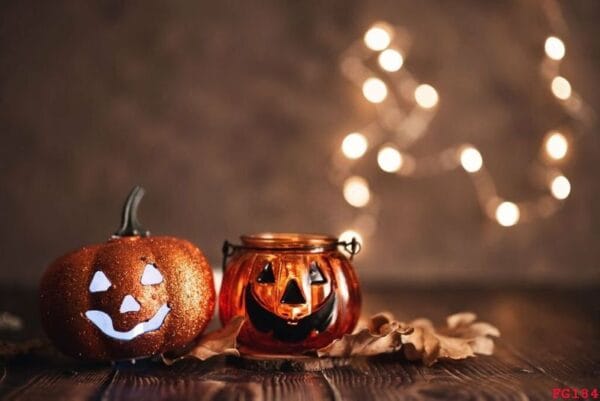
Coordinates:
[298,292]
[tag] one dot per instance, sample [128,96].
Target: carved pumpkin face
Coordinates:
[129,322]
[130,297]
[294,299]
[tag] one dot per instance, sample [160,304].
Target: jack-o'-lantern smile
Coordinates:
[291,300]
[104,322]
[285,329]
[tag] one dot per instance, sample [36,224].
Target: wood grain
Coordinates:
[550,339]
[57,384]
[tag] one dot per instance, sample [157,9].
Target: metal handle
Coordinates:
[227,250]
[353,247]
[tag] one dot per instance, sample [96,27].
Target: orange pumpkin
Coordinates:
[131,297]
[298,292]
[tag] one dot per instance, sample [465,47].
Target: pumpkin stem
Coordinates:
[130,226]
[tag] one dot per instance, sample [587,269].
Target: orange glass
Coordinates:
[298,292]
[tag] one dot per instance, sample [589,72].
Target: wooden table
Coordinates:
[550,339]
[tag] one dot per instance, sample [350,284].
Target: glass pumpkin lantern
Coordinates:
[298,292]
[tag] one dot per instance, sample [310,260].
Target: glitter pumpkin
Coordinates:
[133,296]
[298,292]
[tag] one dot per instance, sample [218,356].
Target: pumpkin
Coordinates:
[298,292]
[133,296]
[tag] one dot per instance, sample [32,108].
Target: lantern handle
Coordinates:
[227,249]
[130,225]
[353,247]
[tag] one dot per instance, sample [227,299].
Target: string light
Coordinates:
[390,60]
[375,90]
[377,38]
[555,48]
[560,187]
[561,88]
[404,125]
[471,159]
[556,145]
[354,145]
[389,159]
[356,191]
[507,214]
[349,234]
[426,96]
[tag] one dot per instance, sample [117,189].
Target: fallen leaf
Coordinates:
[10,350]
[380,334]
[462,337]
[219,342]
[10,322]
[419,340]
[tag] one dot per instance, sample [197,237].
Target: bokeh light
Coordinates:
[471,159]
[384,41]
[356,191]
[556,145]
[389,159]
[555,48]
[354,145]
[561,88]
[560,187]
[507,214]
[377,37]
[426,96]
[375,90]
[391,60]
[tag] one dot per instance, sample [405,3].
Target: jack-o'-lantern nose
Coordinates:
[292,294]
[129,304]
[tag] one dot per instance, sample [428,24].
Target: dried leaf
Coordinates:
[463,337]
[460,319]
[219,342]
[381,334]
[10,322]
[9,350]
[38,347]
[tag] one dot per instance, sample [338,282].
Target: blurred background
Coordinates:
[233,115]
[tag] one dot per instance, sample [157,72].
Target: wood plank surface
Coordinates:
[550,339]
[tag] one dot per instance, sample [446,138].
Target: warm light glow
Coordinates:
[556,145]
[389,159]
[555,48]
[471,159]
[354,145]
[375,90]
[391,60]
[561,88]
[356,191]
[347,236]
[507,214]
[377,38]
[426,96]
[560,187]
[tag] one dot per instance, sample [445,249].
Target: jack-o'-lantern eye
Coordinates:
[151,275]
[99,282]
[266,276]
[315,274]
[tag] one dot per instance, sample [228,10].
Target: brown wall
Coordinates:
[228,114]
